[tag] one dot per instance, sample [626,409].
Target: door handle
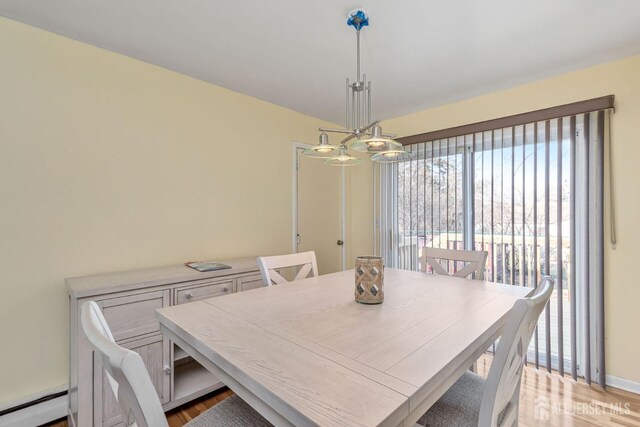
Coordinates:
[340,242]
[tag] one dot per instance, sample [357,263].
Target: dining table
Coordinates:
[306,353]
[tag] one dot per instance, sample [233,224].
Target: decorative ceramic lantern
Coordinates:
[369,279]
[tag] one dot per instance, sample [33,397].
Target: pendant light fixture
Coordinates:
[376,142]
[367,138]
[392,155]
[323,149]
[343,159]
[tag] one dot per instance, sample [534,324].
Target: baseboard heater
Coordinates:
[36,412]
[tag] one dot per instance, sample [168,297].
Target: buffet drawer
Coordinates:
[202,291]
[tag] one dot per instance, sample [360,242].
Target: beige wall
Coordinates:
[108,163]
[621,78]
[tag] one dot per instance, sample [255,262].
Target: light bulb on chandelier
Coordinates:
[343,159]
[375,143]
[323,149]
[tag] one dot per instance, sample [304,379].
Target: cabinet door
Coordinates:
[154,352]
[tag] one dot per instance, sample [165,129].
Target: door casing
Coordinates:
[296,151]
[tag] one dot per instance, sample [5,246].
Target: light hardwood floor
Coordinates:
[570,403]
[567,403]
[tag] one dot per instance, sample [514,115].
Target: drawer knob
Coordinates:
[189,295]
[167,370]
[225,289]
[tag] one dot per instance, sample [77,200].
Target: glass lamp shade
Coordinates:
[369,145]
[323,149]
[343,159]
[376,143]
[392,156]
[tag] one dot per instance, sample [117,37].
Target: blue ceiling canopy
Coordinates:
[358,18]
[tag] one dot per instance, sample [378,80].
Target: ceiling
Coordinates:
[418,53]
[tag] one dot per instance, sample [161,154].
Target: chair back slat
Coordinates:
[276,277]
[304,271]
[436,266]
[470,269]
[475,262]
[502,388]
[127,375]
[269,265]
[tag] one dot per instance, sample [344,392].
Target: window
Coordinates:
[528,192]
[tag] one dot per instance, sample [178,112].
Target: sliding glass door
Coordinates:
[518,193]
[429,201]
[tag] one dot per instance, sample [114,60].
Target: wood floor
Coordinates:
[545,400]
[551,400]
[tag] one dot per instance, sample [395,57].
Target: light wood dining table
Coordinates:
[305,353]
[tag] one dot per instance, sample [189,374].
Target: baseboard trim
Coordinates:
[621,383]
[40,410]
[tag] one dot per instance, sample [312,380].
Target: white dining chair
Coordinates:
[475,262]
[474,401]
[270,264]
[134,392]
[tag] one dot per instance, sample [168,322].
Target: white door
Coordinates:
[317,201]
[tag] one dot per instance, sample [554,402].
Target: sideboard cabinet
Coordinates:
[129,301]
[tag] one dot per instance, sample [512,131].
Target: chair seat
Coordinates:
[231,412]
[460,405]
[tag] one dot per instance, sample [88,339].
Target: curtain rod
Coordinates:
[580,107]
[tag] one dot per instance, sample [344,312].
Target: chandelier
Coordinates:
[363,134]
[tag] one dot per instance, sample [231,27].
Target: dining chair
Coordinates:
[474,401]
[269,265]
[475,262]
[132,387]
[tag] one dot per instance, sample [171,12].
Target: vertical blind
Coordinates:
[529,191]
